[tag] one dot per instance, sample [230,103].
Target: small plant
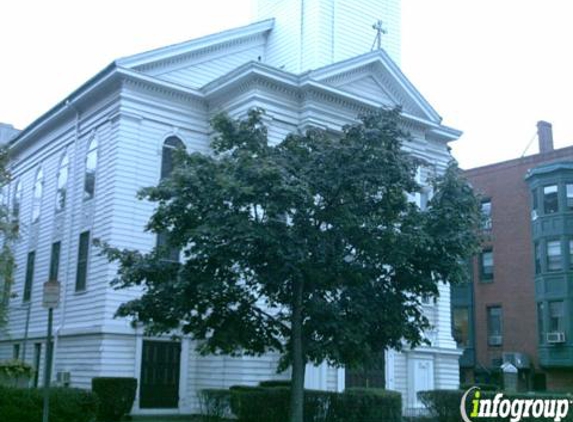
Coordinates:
[15,373]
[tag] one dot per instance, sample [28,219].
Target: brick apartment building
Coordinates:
[518,307]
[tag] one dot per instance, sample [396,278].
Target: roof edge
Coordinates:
[161,53]
[56,110]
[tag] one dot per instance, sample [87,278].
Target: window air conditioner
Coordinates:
[63,378]
[556,337]
[519,360]
[533,215]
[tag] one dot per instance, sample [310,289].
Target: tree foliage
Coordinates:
[317,224]
[8,234]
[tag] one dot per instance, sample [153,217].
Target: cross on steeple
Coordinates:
[379,31]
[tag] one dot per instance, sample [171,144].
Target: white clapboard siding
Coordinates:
[81,357]
[447,372]
[331,31]
[202,71]
[119,354]
[137,165]
[64,227]
[400,374]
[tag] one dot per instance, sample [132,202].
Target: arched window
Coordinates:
[62,183]
[91,166]
[16,200]
[37,198]
[171,144]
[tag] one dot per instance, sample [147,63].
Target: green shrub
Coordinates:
[444,405]
[215,404]
[116,396]
[260,404]
[366,405]
[66,405]
[275,383]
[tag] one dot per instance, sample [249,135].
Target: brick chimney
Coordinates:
[545,136]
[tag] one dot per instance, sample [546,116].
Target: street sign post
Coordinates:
[50,300]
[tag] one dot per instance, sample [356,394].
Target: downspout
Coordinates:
[70,218]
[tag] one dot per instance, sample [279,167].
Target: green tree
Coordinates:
[8,233]
[309,248]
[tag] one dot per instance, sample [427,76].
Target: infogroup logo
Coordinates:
[513,409]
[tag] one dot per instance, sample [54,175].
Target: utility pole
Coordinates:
[50,300]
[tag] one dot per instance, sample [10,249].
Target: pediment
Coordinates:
[376,77]
[368,87]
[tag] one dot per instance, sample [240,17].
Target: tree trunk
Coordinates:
[298,361]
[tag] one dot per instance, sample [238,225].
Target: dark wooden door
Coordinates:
[159,382]
[372,375]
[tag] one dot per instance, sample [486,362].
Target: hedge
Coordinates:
[260,404]
[275,383]
[116,396]
[66,405]
[264,404]
[444,405]
[368,405]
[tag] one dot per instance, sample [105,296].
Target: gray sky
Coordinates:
[491,68]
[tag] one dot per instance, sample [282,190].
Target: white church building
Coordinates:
[77,168]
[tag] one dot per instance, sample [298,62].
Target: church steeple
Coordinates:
[309,34]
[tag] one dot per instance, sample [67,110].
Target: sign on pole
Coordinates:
[51,298]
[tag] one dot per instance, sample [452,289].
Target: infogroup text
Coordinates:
[514,409]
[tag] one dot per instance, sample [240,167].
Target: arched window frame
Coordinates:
[170,144]
[17,200]
[37,195]
[62,182]
[91,169]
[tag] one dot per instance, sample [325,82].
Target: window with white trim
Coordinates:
[91,167]
[16,200]
[172,143]
[37,197]
[169,146]
[62,183]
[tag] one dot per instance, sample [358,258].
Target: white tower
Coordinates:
[309,34]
